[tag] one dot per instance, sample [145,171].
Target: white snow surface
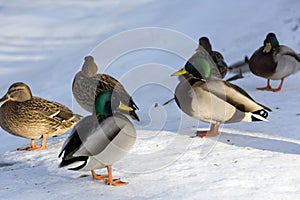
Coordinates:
[43,43]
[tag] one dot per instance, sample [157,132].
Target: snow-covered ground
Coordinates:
[43,43]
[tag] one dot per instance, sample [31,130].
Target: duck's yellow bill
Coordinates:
[267,48]
[180,72]
[124,107]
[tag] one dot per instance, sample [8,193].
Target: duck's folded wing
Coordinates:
[284,50]
[55,110]
[100,137]
[234,95]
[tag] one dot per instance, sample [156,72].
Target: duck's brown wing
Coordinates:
[51,109]
[220,62]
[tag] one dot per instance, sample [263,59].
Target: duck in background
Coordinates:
[27,116]
[216,56]
[101,139]
[274,62]
[87,84]
[214,100]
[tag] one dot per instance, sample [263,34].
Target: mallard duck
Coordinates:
[216,56]
[216,101]
[100,140]
[87,84]
[27,116]
[274,62]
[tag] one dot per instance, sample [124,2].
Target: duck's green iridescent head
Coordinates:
[270,43]
[198,67]
[106,103]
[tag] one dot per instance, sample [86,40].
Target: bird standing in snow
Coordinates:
[101,139]
[215,101]
[27,116]
[274,62]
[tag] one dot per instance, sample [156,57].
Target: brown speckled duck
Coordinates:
[27,116]
[87,84]
[274,62]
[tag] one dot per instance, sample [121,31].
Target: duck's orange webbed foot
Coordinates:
[214,131]
[33,146]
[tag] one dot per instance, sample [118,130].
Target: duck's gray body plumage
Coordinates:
[97,142]
[217,100]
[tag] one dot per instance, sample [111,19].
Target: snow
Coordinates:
[43,43]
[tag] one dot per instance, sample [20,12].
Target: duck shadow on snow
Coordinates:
[266,144]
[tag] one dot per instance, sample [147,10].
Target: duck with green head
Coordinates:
[274,62]
[215,101]
[101,139]
[27,116]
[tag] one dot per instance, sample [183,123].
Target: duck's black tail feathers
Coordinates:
[260,115]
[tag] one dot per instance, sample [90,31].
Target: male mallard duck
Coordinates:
[87,84]
[27,116]
[215,55]
[100,140]
[216,101]
[274,62]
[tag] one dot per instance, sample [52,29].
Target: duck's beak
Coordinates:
[122,106]
[180,72]
[267,48]
[4,99]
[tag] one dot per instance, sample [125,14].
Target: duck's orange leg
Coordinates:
[279,87]
[111,181]
[33,146]
[108,178]
[268,87]
[214,131]
[99,177]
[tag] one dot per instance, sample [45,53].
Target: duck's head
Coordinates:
[17,92]
[199,69]
[205,43]
[270,43]
[89,67]
[107,102]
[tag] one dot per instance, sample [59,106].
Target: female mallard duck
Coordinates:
[101,139]
[27,116]
[274,62]
[216,101]
[215,55]
[87,84]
